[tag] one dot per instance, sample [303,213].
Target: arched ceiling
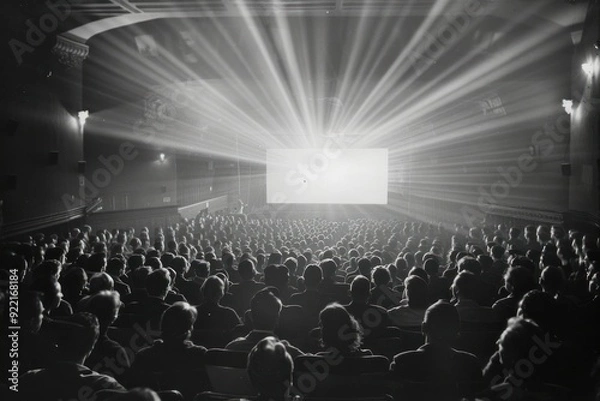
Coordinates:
[97,16]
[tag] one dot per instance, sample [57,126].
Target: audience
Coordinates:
[131,326]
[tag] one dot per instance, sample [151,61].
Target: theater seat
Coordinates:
[412,338]
[108,395]
[319,376]
[435,391]
[226,372]
[211,338]
[481,343]
[388,347]
[210,396]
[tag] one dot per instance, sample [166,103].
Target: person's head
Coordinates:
[213,289]
[381,276]
[275,258]
[157,283]
[469,264]
[465,286]
[96,263]
[498,252]
[115,267]
[518,341]
[432,267]
[57,253]
[270,369]
[166,258]
[360,289]
[416,292]
[552,280]
[518,281]
[419,272]
[31,311]
[177,322]
[200,267]
[50,291]
[441,323]
[78,336]
[292,264]
[265,308]
[180,265]
[339,329]
[540,308]
[101,282]
[136,260]
[74,281]
[50,267]
[312,276]
[329,267]
[139,277]
[246,269]
[364,267]
[105,306]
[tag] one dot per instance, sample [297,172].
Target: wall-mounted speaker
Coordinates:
[53,158]
[565,168]
[81,167]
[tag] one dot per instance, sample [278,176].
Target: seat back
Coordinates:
[107,395]
[338,376]
[214,396]
[412,338]
[227,373]
[211,338]
[387,347]
[481,343]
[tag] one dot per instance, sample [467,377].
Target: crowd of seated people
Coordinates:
[422,311]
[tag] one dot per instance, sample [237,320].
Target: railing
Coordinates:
[38,223]
[212,205]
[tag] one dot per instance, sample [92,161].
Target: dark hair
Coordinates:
[115,266]
[539,307]
[213,289]
[312,276]
[339,329]
[328,267]
[96,262]
[178,321]
[105,306]
[381,276]
[157,283]
[246,269]
[179,264]
[200,267]
[441,322]
[265,308]
[519,280]
[465,285]
[470,264]
[79,336]
[416,292]
[270,368]
[360,289]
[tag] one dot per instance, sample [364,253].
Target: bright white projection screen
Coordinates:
[327,176]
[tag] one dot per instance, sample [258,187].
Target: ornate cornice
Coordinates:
[70,52]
